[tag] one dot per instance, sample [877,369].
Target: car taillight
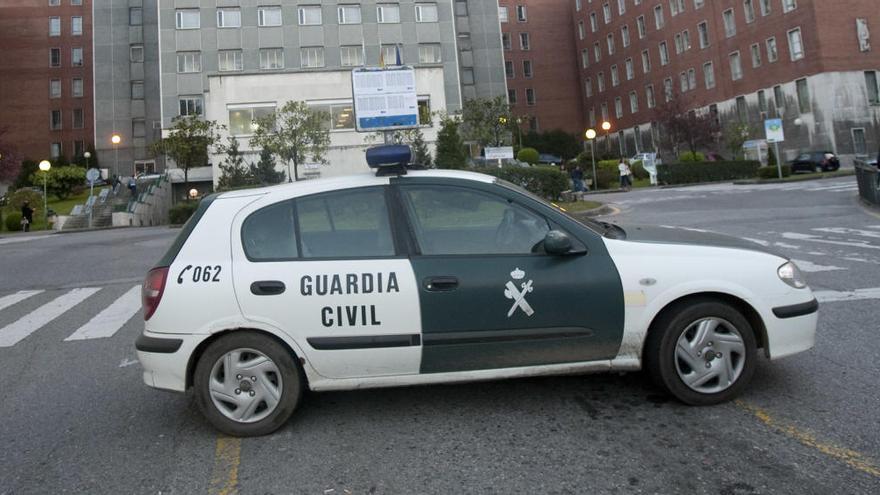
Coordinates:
[151,292]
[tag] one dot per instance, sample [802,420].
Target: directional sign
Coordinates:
[92,175]
[773,128]
[385,99]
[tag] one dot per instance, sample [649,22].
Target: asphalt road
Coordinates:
[76,417]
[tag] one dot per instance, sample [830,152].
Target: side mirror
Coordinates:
[558,243]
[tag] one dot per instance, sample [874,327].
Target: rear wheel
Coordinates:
[702,352]
[247,384]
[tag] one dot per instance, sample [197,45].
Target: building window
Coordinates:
[860,146]
[668,89]
[618,107]
[633,102]
[79,146]
[527,68]
[692,79]
[756,55]
[729,23]
[312,56]
[190,105]
[766,8]
[55,150]
[228,18]
[78,121]
[597,52]
[610,42]
[594,23]
[242,118]
[600,82]
[863,34]
[736,72]
[229,60]
[505,41]
[624,36]
[772,50]
[582,31]
[76,25]
[511,96]
[136,53]
[188,19]
[779,96]
[426,12]
[709,74]
[646,61]
[508,69]
[524,41]
[640,25]
[55,120]
[138,128]
[604,111]
[76,87]
[388,13]
[803,94]
[577,5]
[271,58]
[795,44]
[137,90]
[679,43]
[533,124]
[615,77]
[871,83]
[683,79]
[521,13]
[429,53]
[606,13]
[503,15]
[649,96]
[762,103]
[54,3]
[659,22]
[55,88]
[703,30]
[135,16]
[269,16]
[351,56]
[592,117]
[588,87]
[664,53]
[340,116]
[310,15]
[585,58]
[530,96]
[189,62]
[54,26]
[749,11]
[54,57]
[76,57]
[388,53]
[349,14]
[742,110]
[789,5]
[630,71]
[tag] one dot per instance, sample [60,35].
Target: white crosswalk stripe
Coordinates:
[110,320]
[30,323]
[13,299]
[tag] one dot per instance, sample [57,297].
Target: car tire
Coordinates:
[268,384]
[732,337]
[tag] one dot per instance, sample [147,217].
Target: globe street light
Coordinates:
[193,193]
[606,126]
[115,139]
[44,167]
[591,136]
[87,155]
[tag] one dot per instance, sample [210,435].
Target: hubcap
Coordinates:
[245,385]
[710,355]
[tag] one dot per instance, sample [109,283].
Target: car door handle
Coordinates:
[268,288]
[441,284]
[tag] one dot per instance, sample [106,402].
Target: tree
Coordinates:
[294,133]
[735,136]
[556,142]
[680,127]
[528,155]
[60,181]
[410,137]
[233,171]
[264,172]
[188,143]
[450,148]
[10,159]
[486,121]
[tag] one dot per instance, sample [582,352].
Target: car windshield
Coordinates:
[597,227]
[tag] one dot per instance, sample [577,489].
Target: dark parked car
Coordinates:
[815,161]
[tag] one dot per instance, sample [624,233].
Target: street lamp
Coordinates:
[44,167]
[87,155]
[591,136]
[115,139]
[519,130]
[193,193]
[606,126]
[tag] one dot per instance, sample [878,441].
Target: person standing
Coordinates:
[132,186]
[27,216]
[577,177]
[625,173]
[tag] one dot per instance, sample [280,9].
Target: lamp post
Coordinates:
[115,139]
[519,130]
[591,136]
[193,193]
[606,126]
[44,167]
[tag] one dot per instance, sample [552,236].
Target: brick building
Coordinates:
[540,64]
[808,62]
[46,77]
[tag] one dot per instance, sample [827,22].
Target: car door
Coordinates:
[490,297]
[326,269]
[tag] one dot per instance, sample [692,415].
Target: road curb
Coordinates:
[837,175]
[596,212]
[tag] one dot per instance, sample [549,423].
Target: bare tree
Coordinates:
[683,128]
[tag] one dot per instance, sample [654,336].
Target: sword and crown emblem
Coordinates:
[518,295]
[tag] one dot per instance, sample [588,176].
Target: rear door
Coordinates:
[327,270]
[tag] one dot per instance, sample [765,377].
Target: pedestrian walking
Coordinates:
[27,216]
[577,178]
[132,186]
[625,173]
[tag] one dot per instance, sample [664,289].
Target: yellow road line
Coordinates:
[850,457]
[227,457]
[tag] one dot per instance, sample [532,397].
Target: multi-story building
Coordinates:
[46,77]
[540,65]
[808,62]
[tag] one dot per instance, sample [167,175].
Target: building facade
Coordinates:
[46,105]
[540,64]
[808,62]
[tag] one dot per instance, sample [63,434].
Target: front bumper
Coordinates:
[165,358]
[791,328]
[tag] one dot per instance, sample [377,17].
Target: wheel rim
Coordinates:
[245,385]
[710,355]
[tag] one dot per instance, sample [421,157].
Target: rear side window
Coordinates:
[345,224]
[270,233]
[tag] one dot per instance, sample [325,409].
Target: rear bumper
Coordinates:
[165,357]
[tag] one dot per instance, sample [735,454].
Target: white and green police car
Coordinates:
[420,277]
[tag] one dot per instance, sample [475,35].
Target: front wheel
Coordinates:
[247,384]
[703,353]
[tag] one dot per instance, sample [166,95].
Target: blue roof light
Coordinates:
[389,155]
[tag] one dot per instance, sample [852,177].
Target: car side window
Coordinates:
[342,224]
[450,220]
[269,234]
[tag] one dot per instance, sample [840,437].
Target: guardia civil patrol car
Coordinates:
[408,277]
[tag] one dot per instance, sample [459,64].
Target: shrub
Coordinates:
[689,173]
[687,156]
[638,170]
[547,182]
[772,173]
[18,198]
[528,155]
[180,213]
[13,222]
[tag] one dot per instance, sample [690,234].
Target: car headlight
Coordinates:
[791,275]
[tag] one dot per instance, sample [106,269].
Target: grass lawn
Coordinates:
[578,206]
[61,207]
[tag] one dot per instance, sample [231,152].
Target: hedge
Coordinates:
[690,173]
[180,213]
[13,222]
[771,172]
[547,182]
